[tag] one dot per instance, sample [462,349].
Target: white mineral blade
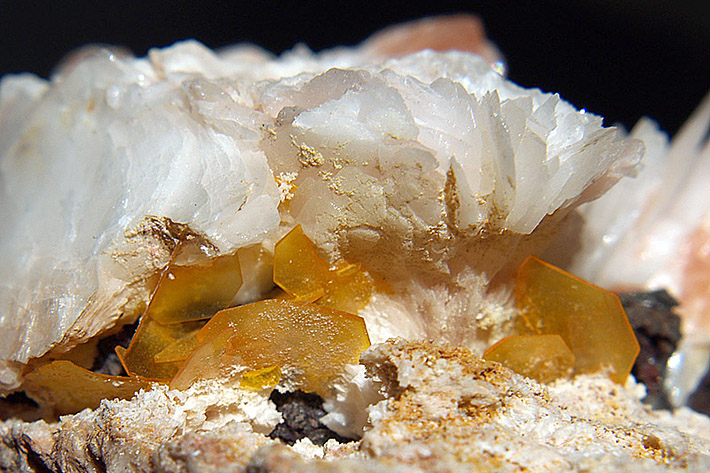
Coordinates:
[388,140]
[635,242]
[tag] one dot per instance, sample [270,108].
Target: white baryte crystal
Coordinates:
[635,235]
[431,170]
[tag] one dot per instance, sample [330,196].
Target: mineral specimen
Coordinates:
[425,170]
[387,197]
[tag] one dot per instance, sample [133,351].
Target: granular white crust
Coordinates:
[441,409]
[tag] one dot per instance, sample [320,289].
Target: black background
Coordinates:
[622,59]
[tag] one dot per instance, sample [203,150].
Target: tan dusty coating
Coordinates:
[442,409]
[448,409]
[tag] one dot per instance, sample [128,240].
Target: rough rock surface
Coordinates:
[657,329]
[442,409]
[302,413]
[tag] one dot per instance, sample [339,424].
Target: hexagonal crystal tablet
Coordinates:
[589,319]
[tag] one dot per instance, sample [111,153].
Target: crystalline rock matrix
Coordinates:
[432,171]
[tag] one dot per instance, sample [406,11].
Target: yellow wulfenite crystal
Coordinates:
[300,272]
[186,295]
[590,320]
[311,341]
[541,357]
[256,380]
[70,388]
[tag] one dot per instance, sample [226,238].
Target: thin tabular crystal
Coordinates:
[590,320]
[541,357]
[312,341]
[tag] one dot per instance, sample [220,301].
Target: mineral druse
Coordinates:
[385,193]
[427,171]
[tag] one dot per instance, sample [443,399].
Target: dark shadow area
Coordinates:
[657,329]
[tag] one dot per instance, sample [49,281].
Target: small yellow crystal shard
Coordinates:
[257,380]
[152,337]
[589,319]
[180,349]
[196,292]
[186,295]
[70,388]
[541,357]
[300,272]
[349,289]
[313,341]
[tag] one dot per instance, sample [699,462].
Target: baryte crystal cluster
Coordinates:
[402,166]
[386,196]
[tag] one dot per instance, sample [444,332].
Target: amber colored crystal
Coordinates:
[256,380]
[589,319]
[298,269]
[205,362]
[179,350]
[300,272]
[349,289]
[541,357]
[70,388]
[196,292]
[184,298]
[310,340]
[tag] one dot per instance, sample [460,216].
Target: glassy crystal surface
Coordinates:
[541,357]
[298,270]
[259,379]
[74,388]
[185,297]
[589,319]
[303,274]
[313,341]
